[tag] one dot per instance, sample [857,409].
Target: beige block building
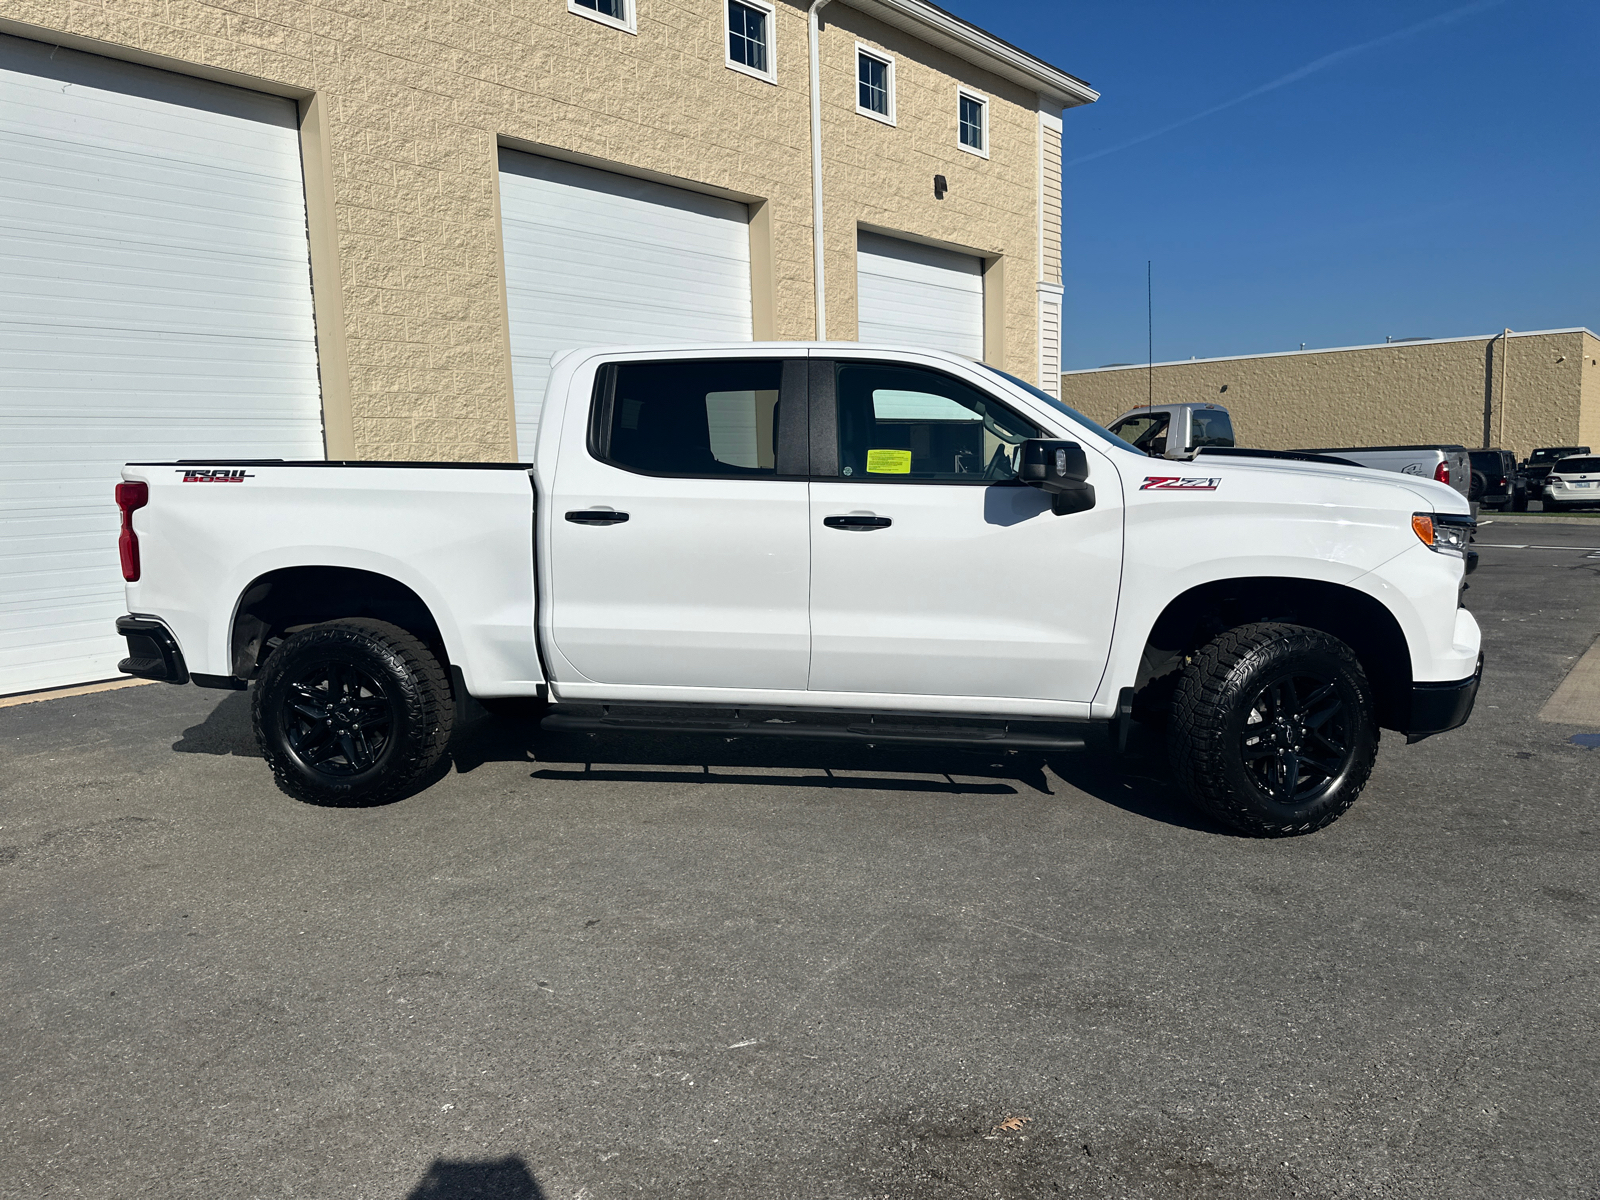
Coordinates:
[405,112]
[1514,391]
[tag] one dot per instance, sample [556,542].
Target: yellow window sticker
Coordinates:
[889,462]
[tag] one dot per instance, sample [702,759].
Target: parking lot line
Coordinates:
[1517,546]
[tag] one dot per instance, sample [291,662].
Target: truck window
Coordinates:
[1144,432]
[1212,428]
[906,423]
[715,417]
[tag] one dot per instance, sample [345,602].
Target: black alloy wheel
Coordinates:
[352,712]
[339,719]
[1296,740]
[1273,729]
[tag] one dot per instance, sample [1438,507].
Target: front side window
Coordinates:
[749,38]
[974,122]
[904,424]
[611,12]
[874,85]
[714,418]
[1147,432]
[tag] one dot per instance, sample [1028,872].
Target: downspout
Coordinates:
[1505,358]
[816,169]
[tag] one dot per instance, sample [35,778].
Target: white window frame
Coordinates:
[630,25]
[770,75]
[963,92]
[887,60]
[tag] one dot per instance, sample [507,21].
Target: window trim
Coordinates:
[629,25]
[887,59]
[825,424]
[963,92]
[770,75]
[793,418]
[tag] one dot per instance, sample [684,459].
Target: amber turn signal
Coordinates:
[1422,526]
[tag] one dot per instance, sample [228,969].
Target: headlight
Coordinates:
[1447,533]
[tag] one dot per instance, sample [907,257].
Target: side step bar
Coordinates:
[844,725]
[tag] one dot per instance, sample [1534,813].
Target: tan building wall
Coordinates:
[1532,389]
[405,103]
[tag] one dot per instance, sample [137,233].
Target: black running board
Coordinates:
[838,725]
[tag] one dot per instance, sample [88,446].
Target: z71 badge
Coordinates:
[209,475]
[1179,483]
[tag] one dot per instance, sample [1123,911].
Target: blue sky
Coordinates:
[1428,168]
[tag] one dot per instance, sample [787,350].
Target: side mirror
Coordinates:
[1060,468]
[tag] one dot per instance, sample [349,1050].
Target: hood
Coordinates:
[1420,493]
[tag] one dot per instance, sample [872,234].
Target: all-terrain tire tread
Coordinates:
[1197,733]
[424,691]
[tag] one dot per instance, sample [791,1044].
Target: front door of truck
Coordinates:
[933,572]
[679,527]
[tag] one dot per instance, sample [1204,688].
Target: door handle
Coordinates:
[596,516]
[857,521]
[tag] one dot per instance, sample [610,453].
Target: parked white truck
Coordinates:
[823,541]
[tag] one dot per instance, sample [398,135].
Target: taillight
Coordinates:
[1442,472]
[129,497]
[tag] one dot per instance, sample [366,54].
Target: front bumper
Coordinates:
[1438,707]
[153,652]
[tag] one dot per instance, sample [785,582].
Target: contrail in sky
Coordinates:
[1315,65]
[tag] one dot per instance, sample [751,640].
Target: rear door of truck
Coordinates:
[679,542]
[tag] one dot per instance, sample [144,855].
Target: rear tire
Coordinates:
[352,712]
[1273,729]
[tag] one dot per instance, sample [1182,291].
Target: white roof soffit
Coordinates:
[950,33]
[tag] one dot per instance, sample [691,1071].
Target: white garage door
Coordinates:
[155,303]
[595,259]
[915,295]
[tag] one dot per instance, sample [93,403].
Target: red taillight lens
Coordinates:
[129,497]
[1442,472]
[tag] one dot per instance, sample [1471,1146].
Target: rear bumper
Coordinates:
[153,652]
[1438,707]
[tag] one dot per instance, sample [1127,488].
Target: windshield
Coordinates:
[1063,408]
[1551,453]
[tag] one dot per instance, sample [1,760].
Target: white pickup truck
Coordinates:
[814,540]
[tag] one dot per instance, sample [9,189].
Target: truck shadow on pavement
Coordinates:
[493,1179]
[1136,782]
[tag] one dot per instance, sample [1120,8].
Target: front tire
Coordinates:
[1273,729]
[352,712]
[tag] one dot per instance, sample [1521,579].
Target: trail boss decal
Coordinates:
[1179,483]
[207,475]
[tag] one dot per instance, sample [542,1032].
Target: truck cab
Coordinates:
[1175,430]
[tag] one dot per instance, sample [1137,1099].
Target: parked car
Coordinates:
[1175,430]
[1537,465]
[1445,464]
[1496,482]
[1572,483]
[820,541]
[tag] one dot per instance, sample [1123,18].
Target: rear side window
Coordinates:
[1212,428]
[1577,466]
[716,417]
[908,424]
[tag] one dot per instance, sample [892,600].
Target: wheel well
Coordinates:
[1355,618]
[282,602]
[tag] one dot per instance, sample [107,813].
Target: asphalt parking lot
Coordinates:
[643,966]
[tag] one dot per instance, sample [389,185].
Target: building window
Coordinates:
[618,14]
[973,119]
[874,84]
[750,38]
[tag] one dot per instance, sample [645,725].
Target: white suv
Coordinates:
[1571,482]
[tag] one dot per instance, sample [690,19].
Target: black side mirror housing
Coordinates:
[1059,468]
